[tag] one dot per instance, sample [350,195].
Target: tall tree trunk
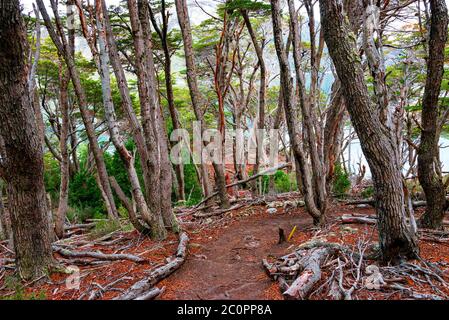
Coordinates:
[136,128]
[262,89]
[165,173]
[157,229]
[195,95]
[397,240]
[63,47]
[163,35]
[428,152]
[289,100]
[64,164]
[307,106]
[333,133]
[23,167]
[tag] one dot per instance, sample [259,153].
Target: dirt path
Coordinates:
[229,267]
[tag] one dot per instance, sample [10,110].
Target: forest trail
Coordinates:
[230,267]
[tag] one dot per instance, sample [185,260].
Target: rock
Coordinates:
[272,211]
[363,206]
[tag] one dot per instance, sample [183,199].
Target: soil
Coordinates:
[224,261]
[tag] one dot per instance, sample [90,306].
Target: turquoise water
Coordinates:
[358,157]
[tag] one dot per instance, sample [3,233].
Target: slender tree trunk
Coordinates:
[64,164]
[291,118]
[262,88]
[428,152]
[73,147]
[163,35]
[333,133]
[165,173]
[23,168]
[195,95]
[307,108]
[61,44]
[154,221]
[397,240]
[136,128]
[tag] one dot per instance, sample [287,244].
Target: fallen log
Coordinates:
[150,295]
[301,287]
[260,174]
[142,287]
[96,255]
[80,226]
[371,202]
[366,219]
[349,219]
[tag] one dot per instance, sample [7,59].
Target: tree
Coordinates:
[289,100]
[197,100]
[22,166]
[397,238]
[59,39]
[164,36]
[429,171]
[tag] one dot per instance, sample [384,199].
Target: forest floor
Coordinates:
[224,260]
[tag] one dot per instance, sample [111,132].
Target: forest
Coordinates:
[224,150]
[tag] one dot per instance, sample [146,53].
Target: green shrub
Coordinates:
[193,190]
[14,284]
[84,193]
[341,183]
[368,192]
[284,182]
[105,227]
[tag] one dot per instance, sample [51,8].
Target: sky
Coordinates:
[196,14]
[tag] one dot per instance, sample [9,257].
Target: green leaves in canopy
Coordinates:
[259,7]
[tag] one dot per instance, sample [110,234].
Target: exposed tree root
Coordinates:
[96,255]
[299,273]
[143,288]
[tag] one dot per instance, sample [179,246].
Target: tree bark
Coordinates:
[64,164]
[428,152]
[307,107]
[63,47]
[262,88]
[165,173]
[195,95]
[289,100]
[163,35]
[23,168]
[397,240]
[154,221]
[136,128]
[333,133]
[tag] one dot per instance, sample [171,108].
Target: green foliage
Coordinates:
[249,5]
[283,182]
[105,227]
[368,192]
[192,187]
[13,283]
[52,175]
[85,195]
[341,183]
